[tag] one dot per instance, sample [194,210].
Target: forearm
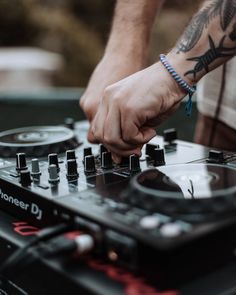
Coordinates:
[208,41]
[132,26]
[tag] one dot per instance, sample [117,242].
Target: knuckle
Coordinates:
[128,108]
[127,137]
[107,92]
[109,140]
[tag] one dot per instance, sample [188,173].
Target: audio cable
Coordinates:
[61,245]
[43,235]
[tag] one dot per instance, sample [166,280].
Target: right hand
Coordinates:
[110,69]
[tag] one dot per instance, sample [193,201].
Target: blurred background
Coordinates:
[49,48]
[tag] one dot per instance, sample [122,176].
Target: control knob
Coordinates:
[89,164]
[134,164]
[25,178]
[87,152]
[72,172]
[35,170]
[149,150]
[53,160]
[70,155]
[53,174]
[170,135]
[159,157]
[107,160]
[21,162]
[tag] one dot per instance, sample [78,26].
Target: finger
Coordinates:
[97,126]
[91,137]
[112,131]
[125,153]
[116,158]
[134,133]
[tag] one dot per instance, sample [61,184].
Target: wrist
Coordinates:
[135,51]
[181,66]
[129,57]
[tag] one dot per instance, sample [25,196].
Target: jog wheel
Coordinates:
[37,141]
[204,189]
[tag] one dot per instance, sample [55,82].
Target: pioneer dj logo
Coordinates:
[31,208]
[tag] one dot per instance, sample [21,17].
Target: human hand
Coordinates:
[110,70]
[132,107]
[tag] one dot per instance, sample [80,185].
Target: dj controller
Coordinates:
[169,214]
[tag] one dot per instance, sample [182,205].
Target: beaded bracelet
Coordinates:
[183,84]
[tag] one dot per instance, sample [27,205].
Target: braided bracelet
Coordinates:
[183,84]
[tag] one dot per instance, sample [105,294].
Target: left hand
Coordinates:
[132,107]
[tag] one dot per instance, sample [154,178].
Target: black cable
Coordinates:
[58,246]
[20,254]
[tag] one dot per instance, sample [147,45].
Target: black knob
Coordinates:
[53,160]
[102,149]
[25,178]
[159,157]
[69,123]
[149,150]
[35,169]
[134,164]
[87,152]
[70,155]
[21,162]
[89,164]
[170,135]
[72,172]
[107,160]
[53,174]
[215,156]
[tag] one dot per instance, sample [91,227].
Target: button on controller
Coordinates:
[215,157]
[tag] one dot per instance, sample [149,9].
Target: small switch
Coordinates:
[215,156]
[170,135]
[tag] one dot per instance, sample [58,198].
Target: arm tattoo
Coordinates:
[226,9]
[203,61]
[227,13]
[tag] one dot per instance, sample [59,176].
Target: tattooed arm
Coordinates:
[131,108]
[208,41]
